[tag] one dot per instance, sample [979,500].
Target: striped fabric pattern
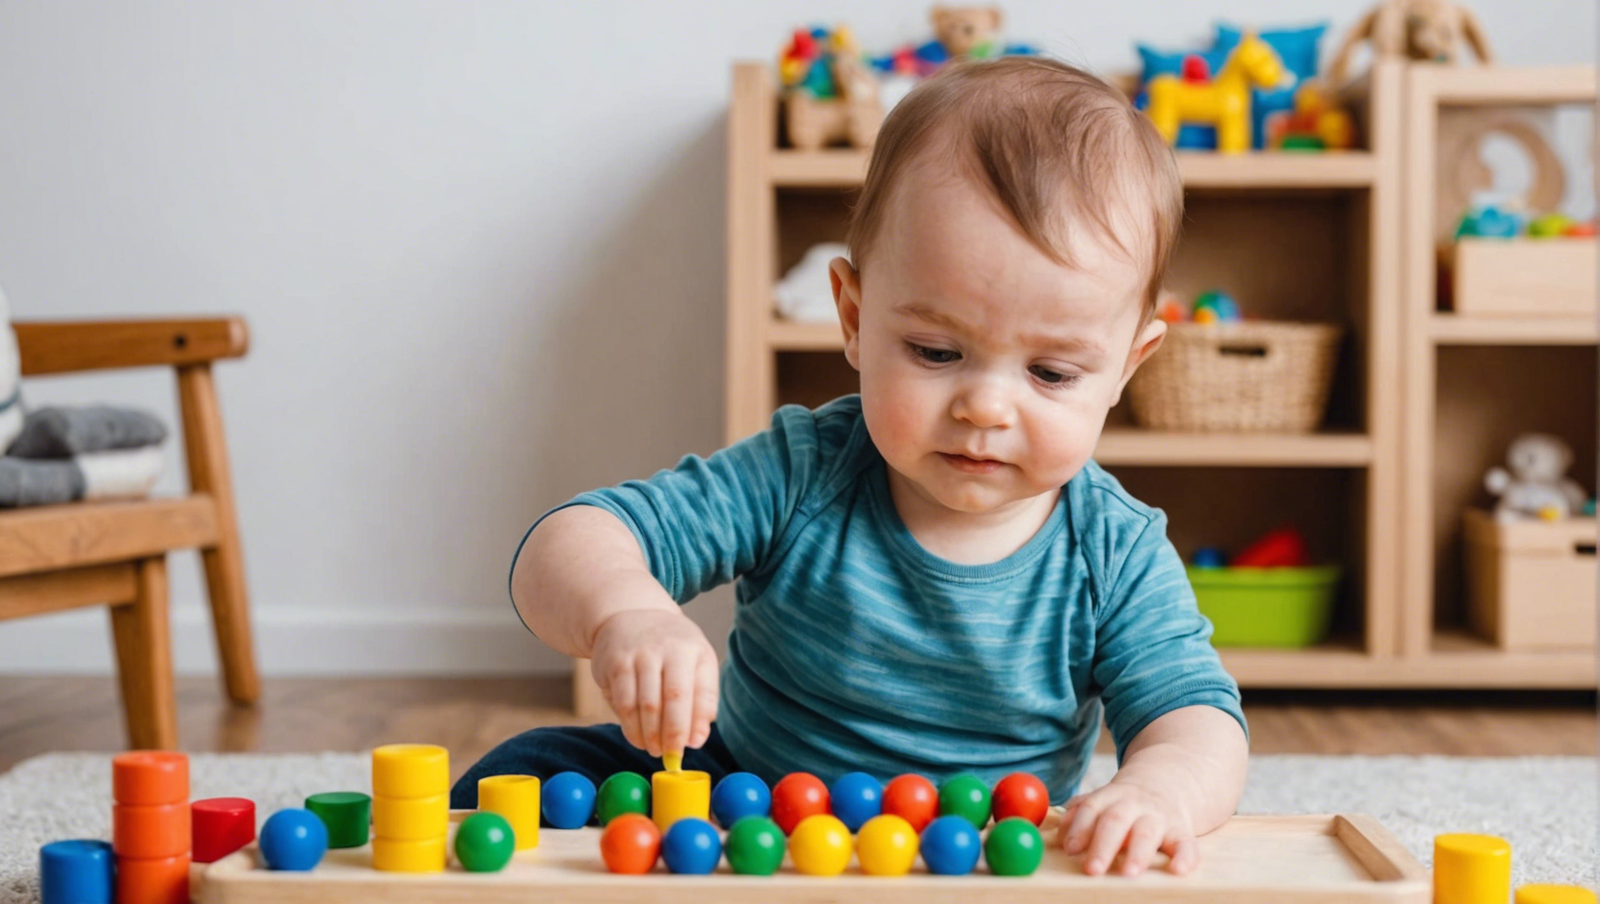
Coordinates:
[853,648]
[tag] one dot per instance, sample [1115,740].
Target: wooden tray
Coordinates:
[1251,860]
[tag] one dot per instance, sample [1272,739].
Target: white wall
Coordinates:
[480,249]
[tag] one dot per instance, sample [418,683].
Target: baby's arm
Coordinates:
[1181,777]
[582,585]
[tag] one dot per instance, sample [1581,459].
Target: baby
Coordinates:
[934,577]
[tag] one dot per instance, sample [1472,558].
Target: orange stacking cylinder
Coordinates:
[152,831]
[410,807]
[150,826]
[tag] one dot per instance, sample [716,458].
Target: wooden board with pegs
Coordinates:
[1250,860]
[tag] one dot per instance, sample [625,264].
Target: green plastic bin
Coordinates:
[1266,607]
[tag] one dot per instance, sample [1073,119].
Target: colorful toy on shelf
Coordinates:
[1215,306]
[959,32]
[1489,220]
[1224,102]
[830,93]
[1535,485]
[1280,548]
[1415,29]
[1313,125]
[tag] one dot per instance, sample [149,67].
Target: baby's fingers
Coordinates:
[705,699]
[1110,833]
[648,676]
[621,690]
[677,702]
[1143,840]
[1183,853]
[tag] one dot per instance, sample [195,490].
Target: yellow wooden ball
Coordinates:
[886,846]
[820,845]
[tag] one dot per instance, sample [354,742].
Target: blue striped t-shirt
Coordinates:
[853,648]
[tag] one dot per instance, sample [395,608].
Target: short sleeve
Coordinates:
[710,520]
[1153,650]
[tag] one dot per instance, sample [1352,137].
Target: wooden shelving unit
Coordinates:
[1471,385]
[1295,236]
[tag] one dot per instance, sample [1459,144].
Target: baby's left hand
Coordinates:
[1127,816]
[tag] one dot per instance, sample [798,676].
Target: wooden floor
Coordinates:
[470,715]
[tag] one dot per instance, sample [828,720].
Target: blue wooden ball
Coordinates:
[691,847]
[950,846]
[293,839]
[856,798]
[738,795]
[568,800]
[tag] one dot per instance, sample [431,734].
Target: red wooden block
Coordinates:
[222,825]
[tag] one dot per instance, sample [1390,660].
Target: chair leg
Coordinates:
[206,448]
[144,660]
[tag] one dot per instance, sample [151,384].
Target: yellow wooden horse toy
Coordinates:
[1223,102]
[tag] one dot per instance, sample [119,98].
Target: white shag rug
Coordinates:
[1547,807]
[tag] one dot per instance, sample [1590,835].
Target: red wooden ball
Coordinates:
[912,798]
[796,796]
[1021,794]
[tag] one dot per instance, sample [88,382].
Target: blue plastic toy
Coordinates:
[691,847]
[1489,221]
[1210,557]
[738,795]
[80,871]
[950,846]
[293,840]
[856,798]
[568,800]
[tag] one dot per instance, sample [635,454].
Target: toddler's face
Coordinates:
[986,367]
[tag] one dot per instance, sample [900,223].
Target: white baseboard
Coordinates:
[295,641]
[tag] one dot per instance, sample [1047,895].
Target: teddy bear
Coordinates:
[959,32]
[1416,29]
[1534,485]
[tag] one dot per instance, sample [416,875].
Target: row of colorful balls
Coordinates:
[893,825]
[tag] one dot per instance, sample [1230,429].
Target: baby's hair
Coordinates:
[1056,145]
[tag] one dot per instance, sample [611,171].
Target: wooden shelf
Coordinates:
[1330,664]
[1456,660]
[1315,450]
[1452,329]
[802,336]
[1488,86]
[844,167]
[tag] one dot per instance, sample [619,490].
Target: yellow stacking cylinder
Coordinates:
[410,807]
[1554,894]
[412,818]
[677,795]
[410,770]
[515,797]
[1471,869]
[425,856]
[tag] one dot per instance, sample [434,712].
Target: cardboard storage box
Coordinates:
[1549,277]
[1531,584]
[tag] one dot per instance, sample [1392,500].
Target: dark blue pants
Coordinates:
[598,752]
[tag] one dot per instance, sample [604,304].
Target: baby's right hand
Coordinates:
[659,673]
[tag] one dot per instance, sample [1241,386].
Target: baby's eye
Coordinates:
[1053,377]
[934,355]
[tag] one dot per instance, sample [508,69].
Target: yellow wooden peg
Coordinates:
[1471,869]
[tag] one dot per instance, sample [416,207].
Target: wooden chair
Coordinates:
[114,553]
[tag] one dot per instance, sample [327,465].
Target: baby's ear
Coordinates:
[846,283]
[1144,345]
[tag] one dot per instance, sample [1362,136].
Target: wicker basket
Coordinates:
[1239,376]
